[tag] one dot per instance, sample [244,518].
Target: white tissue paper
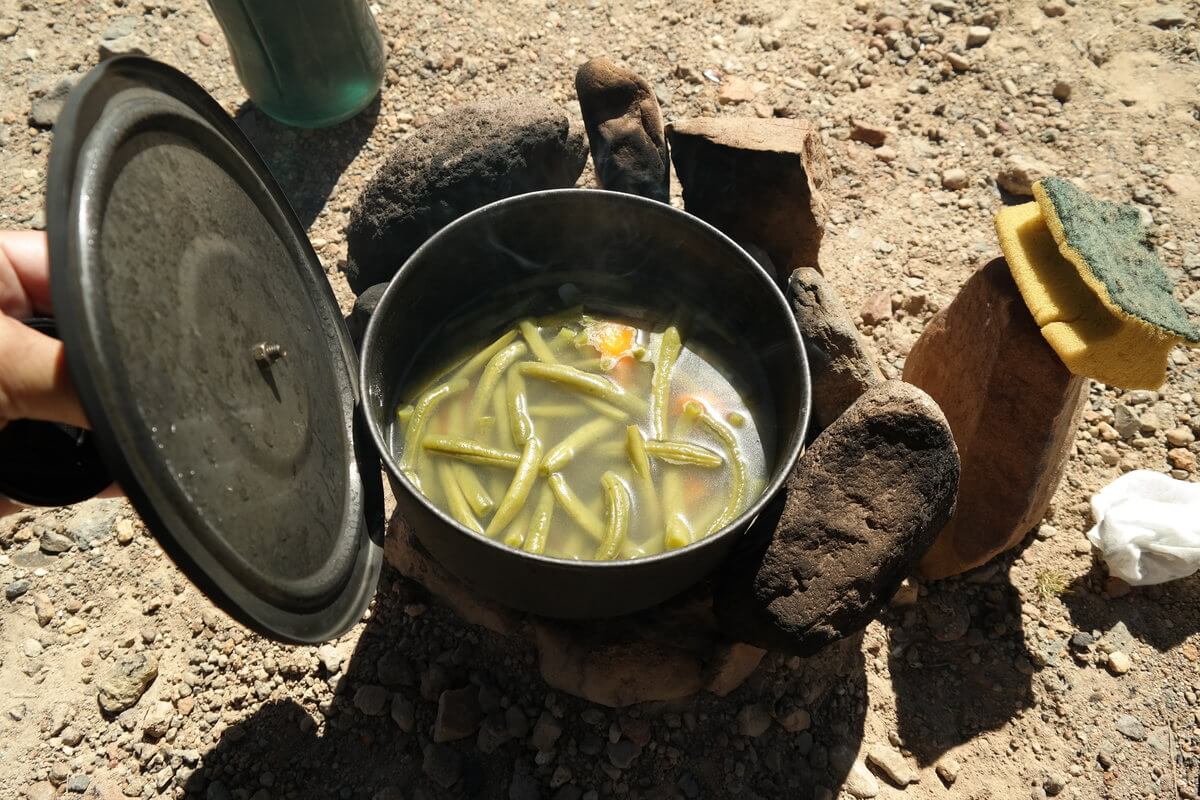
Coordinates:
[1148,527]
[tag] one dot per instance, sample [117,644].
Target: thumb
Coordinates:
[34,382]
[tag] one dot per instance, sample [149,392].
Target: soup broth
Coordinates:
[584,437]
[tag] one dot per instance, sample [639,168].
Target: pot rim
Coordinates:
[636,203]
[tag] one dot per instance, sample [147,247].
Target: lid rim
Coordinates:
[70,240]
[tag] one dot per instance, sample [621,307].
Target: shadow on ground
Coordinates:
[959,662]
[307,162]
[1161,616]
[412,650]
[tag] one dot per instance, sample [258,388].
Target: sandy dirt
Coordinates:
[1027,678]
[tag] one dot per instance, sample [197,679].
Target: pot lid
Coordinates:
[210,354]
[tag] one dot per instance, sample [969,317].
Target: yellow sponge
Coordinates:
[1092,335]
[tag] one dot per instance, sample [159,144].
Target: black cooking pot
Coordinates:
[541,252]
[224,393]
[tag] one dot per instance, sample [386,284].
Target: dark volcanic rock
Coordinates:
[757,180]
[624,128]
[842,363]
[863,505]
[465,158]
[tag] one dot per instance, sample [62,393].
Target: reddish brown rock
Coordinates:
[757,180]
[624,128]
[863,505]
[668,653]
[842,364]
[1013,408]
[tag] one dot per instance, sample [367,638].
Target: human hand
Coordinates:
[34,382]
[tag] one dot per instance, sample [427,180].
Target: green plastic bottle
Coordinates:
[308,63]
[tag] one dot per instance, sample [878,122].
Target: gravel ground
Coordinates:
[1034,676]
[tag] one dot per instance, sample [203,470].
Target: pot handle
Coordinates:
[360,315]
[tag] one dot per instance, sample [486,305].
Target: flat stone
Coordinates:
[622,753]
[1019,172]
[43,608]
[862,506]
[42,790]
[54,543]
[669,653]
[1131,728]
[470,156]
[371,699]
[403,713]
[955,178]
[458,714]
[753,720]
[545,732]
[625,130]
[1164,17]
[9,27]
[860,782]
[16,589]
[947,768]
[892,765]
[874,135]
[1013,408]
[978,35]
[758,181]
[330,658]
[1119,663]
[841,362]
[121,26]
[735,90]
[46,107]
[126,682]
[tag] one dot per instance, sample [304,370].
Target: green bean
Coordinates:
[476,362]
[518,407]
[593,385]
[606,409]
[563,317]
[491,376]
[422,411]
[669,348]
[471,451]
[579,439]
[563,340]
[737,464]
[539,526]
[685,454]
[610,450]
[575,508]
[616,532]
[518,490]
[537,345]
[635,445]
[455,500]
[514,535]
[504,437]
[677,531]
[477,497]
[557,411]
[593,365]
[404,414]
